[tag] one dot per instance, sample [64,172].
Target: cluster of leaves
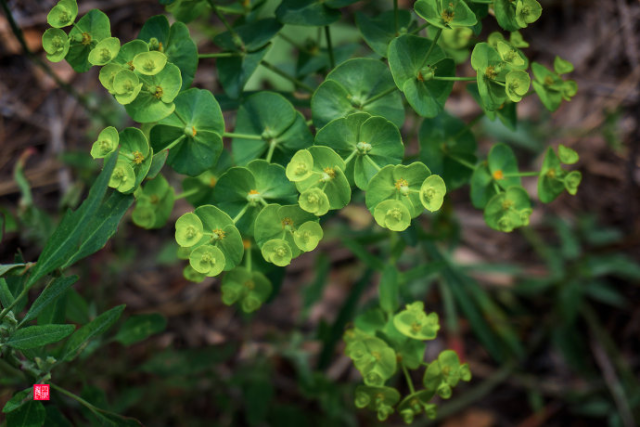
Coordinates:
[262,204]
[382,344]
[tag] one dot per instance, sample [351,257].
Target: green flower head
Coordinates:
[55,43]
[300,167]
[250,289]
[277,251]
[189,230]
[567,155]
[208,260]
[392,214]
[150,63]
[308,235]
[126,86]
[314,201]
[517,85]
[107,143]
[572,181]
[105,51]
[415,323]
[144,216]
[123,177]
[509,54]
[108,74]
[527,12]
[63,14]
[432,192]
[192,275]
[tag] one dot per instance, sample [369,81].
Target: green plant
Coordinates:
[264,203]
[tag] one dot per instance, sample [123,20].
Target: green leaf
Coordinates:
[38,336]
[414,323]
[55,43]
[31,414]
[105,51]
[379,31]
[18,399]
[84,231]
[562,66]
[567,155]
[249,289]
[502,164]
[363,135]
[223,233]
[307,12]
[254,35]
[50,294]
[281,222]
[175,42]
[85,35]
[359,84]
[140,327]
[328,176]
[6,296]
[63,14]
[154,204]
[508,210]
[234,72]
[272,119]
[482,188]
[551,179]
[192,134]
[97,326]
[388,289]
[492,73]
[202,186]
[400,183]
[443,139]
[155,100]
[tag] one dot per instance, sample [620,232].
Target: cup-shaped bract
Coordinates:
[156,101]
[569,89]
[308,235]
[107,143]
[517,84]
[401,183]
[63,14]
[392,214]
[105,51]
[123,177]
[567,155]
[562,66]
[150,63]
[126,86]
[192,275]
[415,403]
[491,71]
[527,12]
[550,180]
[277,251]
[572,181]
[374,397]
[446,13]
[415,323]
[504,211]
[249,289]
[154,203]
[372,356]
[300,167]
[208,260]
[314,201]
[432,193]
[446,372]
[144,216]
[108,74]
[510,55]
[189,230]
[55,43]
[328,175]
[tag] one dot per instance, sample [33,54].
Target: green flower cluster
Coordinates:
[382,344]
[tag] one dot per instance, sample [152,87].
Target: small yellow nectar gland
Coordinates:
[212,181]
[402,185]
[138,158]
[158,92]
[194,132]
[287,222]
[498,175]
[491,72]
[86,39]
[219,234]
[246,243]
[448,15]
[249,284]
[331,172]
[253,192]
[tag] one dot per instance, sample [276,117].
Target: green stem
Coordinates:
[395,15]
[218,55]
[242,136]
[455,79]
[327,34]
[176,142]
[223,19]
[521,174]
[284,75]
[7,309]
[408,378]
[420,28]
[453,325]
[187,193]
[248,258]
[272,148]
[380,95]
[496,187]
[461,161]
[433,45]
[351,156]
[309,123]
[374,164]
[67,393]
[293,43]
[241,213]
[469,125]
[17,32]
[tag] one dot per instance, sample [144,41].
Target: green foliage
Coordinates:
[257,206]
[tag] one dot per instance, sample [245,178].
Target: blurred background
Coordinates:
[548,317]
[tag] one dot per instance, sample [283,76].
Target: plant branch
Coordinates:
[282,74]
[380,95]
[327,33]
[433,45]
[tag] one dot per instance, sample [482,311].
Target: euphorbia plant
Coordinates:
[263,203]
